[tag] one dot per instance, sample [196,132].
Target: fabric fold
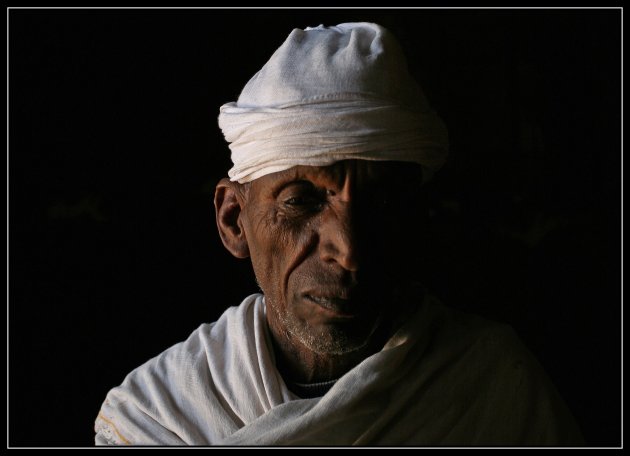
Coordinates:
[320,134]
[329,94]
[444,378]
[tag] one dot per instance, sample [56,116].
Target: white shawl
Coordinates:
[445,378]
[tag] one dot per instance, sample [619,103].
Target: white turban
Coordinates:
[330,94]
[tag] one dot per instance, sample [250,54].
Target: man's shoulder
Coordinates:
[161,400]
[208,338]
[480,369]
[489,355]
[463,333]
[192,360]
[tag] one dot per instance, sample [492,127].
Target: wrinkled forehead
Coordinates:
[354,173]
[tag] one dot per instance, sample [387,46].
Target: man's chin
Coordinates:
[337,336]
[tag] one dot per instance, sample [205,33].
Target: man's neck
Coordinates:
[297,364]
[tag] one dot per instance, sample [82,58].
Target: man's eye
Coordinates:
[299,201]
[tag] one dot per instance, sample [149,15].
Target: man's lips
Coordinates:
[335,305]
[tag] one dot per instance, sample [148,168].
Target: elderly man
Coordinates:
[331,141]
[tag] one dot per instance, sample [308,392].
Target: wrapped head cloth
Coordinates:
[330,94]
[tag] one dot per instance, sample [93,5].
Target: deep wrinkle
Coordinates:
[308,247]
[306,225]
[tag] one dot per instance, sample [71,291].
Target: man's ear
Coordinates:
[228,205]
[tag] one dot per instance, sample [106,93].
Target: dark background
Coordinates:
[114,152]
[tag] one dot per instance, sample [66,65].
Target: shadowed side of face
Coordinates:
[330,247]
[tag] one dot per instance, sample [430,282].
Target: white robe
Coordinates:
[445,378]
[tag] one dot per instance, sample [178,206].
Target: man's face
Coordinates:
[329,247]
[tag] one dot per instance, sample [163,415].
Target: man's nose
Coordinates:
[338,237]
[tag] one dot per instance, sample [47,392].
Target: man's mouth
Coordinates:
[336,306]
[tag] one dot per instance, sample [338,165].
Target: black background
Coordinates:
[114,152]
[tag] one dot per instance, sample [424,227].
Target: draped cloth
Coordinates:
[444,378]
[330,94]
[320,132]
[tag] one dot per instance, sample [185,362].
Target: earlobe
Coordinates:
[228,204]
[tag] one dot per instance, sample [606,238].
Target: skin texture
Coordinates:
[331,249]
